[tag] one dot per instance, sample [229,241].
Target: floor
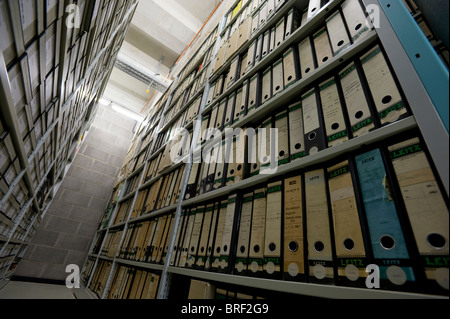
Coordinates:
[26,290]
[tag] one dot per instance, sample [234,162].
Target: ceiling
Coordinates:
[159,33]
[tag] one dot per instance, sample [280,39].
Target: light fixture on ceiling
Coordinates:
[120,109]
[104,102]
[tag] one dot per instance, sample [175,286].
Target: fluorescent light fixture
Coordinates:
[104,102]
[120,109]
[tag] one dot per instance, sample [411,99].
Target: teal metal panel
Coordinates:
[428,65]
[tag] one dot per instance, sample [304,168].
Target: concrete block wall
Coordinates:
[68,229]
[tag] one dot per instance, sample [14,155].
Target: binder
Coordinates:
[296,135]
[322,47]
[220,58]
[220,173]
[228,118]
[241,262]
[282,151]
[357,23]
[212,237]
[211,173]
[219,86]
[251,54]
[253,93]
[292,22]
[233,74]
[279,32]
[266,44]
[229,234]
[278,76]
[279,4]
[219,235]
[335,126]
[240,107]
[290,67]
[178,238]
[187,238]
[166,240]
[264,146]
[272,39]
[211,94]
[253,158]
[426,209]
[360,117]
[388,100]
[388,245]
[266,87]
[313,8]
[273,232]
[270,9]
[167,231]
[256,248]
[351,256]
[232,43]
[243,65]
[218,124]
[320,250]
[312,123]
[201,185]
[192,181]
[338,34]
[255,23]
[241,151]
[156,243]
[213,117]
[204,237]
[294,268]
[244,32]
[259,45]
[263,14]
[195,237]
[306,56]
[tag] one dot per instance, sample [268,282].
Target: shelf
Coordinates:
[307,289]
[140,264]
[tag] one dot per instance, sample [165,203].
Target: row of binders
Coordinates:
[356,99]
[132,283]
[206,290]
[326,224]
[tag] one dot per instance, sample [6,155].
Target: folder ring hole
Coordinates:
[386,99]
[218,250]
[293,246]
[319,246]
[436,241]
[239,167]
[312,136]
[313,9]
[265,158]
[325,59]
[387,242]
[255,166]
[242,249]
[225,248]
[307,70]
[219,173]
[266,96]
[358,26]
[289,77]
[335,126]
[232,172]
[256,248]
[349,244]
[340,43]
[359,114]
[287,33]
[252,102]
[298,146]
[277,88]
[279,43]
[282,153]
[272,247]
[202,249]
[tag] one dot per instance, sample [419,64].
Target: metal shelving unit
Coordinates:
[409,61]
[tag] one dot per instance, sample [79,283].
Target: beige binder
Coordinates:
[219,86]
[253,158]
[220,113]
[212,237]
[228,233]
[426,209]
[322,47]
[178,238]
[263,14]
[259,45]
[220,172]
[219,236]
[256,248]
[270,8]
[294,252]
[230,156]
[264,146]
[255,23]
[313,8]
[195,237]
[160,228]
[296,134]
[314,140]
[251,55]
[338,34]
[290,67]
[355,100]
[210,98]
[279,32]
[306,56]
[241,102]
[278,77]
[272,39]
[244,32]
[332,111]
[228,118]
[233,73]
[187,238]
[204,237]
[241,262]
[292,22]
[320,256]
[253,96]
[357,23]
[385,92]
[272,236]
[220,58]
[265,44]
[281,124]
[232,44]
[266,87]
[348,237]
